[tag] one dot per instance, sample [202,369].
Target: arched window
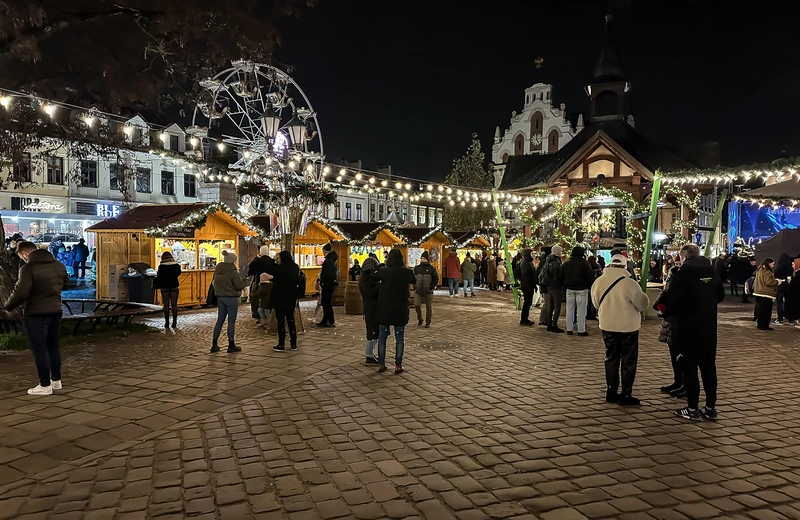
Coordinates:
[519,145]
[552,141]
[547,95]
[541,95]
[505,158]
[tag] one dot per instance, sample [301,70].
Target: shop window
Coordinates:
[189,185]
[143,180]
[22,169]
[372,211]
[55,170]
[380,211]
[88,174]
[337,211]
[115,176]
[167,183]
[358,212]
[348,211]
[184,251]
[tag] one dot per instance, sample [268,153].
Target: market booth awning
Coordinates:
[419,239]
[364,238]
[195,234]
[470,240]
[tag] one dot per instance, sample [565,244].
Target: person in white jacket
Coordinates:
[619,302]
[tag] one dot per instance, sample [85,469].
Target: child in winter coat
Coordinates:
[501,276]
[262,295]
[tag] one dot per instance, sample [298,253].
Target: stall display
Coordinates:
[195,234]
[434,240]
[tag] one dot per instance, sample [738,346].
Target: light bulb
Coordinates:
[49,110]
[441,188]
[309,168]
[452,202]
[268,160]
[398,185]
[384,183]
[163,137]
[342,171]
[89,120]
[326,169]
[5,101]
[247,154]
[358,176]
[128,130]
[338,178]
[352,183]
[408,186]
[194,141]
[221,147]
[372,180]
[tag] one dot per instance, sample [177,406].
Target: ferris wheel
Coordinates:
[262,113]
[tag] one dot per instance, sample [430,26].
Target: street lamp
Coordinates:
[270,122]
[297,130]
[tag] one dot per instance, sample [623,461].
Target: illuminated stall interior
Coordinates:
[195,234]
[419,239]
[368,237]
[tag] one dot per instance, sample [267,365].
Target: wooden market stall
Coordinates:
[364,238]
[433,240]
[195,234]
[470,242]
[308,253]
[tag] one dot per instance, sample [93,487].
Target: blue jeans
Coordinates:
[227,307]
[780,300]
[581,300]
[399,340]
[44,333]
[369,350]
[263,314]
[452,284]
[471,284]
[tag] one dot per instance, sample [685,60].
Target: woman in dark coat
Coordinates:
[792,309]
[167,280]
[283,297]
[369,296]
[677,388]
[355,271]
[393,292]
[783,271]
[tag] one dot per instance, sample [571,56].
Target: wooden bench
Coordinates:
[93,311]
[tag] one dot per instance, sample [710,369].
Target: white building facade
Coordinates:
[540,128]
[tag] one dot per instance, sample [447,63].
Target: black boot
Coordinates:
[166,323]
[214,347]
[232,347]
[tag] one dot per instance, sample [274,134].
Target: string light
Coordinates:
[221,147]
[5,101]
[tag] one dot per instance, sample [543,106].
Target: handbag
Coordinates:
[211,296]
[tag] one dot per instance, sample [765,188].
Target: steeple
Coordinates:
[608,89]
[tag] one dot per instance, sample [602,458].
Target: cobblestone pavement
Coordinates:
[490,420]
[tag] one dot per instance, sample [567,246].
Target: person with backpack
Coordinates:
[395,280]
[620,303]
[425,282]
[552,277]
[288,283]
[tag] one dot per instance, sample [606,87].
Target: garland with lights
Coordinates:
[779,168]
[773,202]
[293,191]
[198,218]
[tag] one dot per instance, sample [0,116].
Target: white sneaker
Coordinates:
[41,390]
[56,384]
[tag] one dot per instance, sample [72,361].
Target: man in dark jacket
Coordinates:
[260,264]
[81,255]
[327,279]
[690,302]
[395,280]
[553,278]
[426,280]
[38,293]
[578,279]
[527,282]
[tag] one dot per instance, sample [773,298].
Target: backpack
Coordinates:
[301,284]
[545,277]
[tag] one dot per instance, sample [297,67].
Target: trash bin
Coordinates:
[140,277]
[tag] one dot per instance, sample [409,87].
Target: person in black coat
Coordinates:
[690,302]
[260,264]
[167,280]
[368,287]
[792,309]
[283,297]
[484,269]
[393,293]
[527,282]
[81,255]
[578,279]
[355,271]
[783,272]
[677,388]
[327,279]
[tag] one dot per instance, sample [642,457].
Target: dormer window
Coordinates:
[174,143]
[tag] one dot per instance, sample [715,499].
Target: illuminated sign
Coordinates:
[42,206]
[108,210]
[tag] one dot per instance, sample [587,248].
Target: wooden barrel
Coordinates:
[411,295]
[352,299]
[338,293]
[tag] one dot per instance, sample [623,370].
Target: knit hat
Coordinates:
[263,250]
[557,250]
[229,257]
[426,257]
[370,264]
[618,261]
[327,248]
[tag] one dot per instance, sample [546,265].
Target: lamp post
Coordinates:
[297,131]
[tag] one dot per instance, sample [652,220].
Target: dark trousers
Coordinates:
[327,304]
[677,371]
[734,289]
[527,301]
[544,315]
[283,317]
[79,264]
[763,311]
[622,352]
[706,362]
[780,300]
[44,333]
[169,297]
[554,299]
[254,301]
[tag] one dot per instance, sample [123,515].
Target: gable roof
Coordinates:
[358,231]
[621,135]
[161,215]
[787,189]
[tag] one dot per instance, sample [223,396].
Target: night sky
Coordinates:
[406,83]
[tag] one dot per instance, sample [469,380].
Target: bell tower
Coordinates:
[608,90]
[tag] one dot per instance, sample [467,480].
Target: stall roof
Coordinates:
[462,238]
[159,215]
[356,231]
[788,189]
[417,235]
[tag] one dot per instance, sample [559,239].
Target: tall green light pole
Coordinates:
[504,243]
[717,215]
[651,226]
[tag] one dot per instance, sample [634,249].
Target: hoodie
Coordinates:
[327,277]
[578,274]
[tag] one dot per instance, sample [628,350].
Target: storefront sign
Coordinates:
[43,206]
[186,232]
[108,210]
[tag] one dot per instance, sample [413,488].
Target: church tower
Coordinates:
[608,90]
